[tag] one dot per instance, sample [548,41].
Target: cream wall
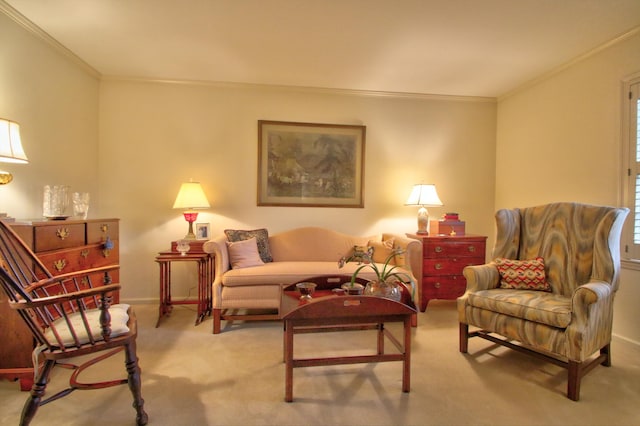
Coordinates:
[559,140]
[56,103]
[153,136]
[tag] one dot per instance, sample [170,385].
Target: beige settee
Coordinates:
[296,255]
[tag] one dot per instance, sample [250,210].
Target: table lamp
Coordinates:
[424,196]
[190,197]
[10,147]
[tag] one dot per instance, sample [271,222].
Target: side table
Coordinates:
[444,258]
[205,263]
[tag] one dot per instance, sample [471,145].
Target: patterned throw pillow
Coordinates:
[522,274]
[261,236]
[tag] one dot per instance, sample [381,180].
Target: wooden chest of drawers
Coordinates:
[444,258]
[62,246]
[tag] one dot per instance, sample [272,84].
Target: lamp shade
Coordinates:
[424,195]
[10,145]
[191,196]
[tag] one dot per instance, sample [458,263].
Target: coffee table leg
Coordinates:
[406,363]
[288,359]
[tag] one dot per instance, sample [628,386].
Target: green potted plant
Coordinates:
[387,278]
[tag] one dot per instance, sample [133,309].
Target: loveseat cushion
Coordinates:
[289,272]
[537,306]
[244,254]
[262,239]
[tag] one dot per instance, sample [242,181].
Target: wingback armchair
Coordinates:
[550,287]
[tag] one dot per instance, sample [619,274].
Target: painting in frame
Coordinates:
[310,165]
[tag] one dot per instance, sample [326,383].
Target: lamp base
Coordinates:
[423,221]
[190,217]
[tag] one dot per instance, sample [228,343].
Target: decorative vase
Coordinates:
[353,290]
[389,289]
[183,247]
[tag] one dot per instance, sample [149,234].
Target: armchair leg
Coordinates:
[464,337]
[574,378]
[606,351]
[37,392]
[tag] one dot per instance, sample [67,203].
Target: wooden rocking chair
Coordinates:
[69,315]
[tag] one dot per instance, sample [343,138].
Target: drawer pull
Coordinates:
[436,285]
[107,246]
[438,249]
[438,266]
[62,233]
[471,248]
[59,264]
[104,228]
[84,253]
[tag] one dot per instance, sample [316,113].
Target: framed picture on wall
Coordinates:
[310,165]
[203,231]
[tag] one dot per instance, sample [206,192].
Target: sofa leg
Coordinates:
[464,337]
[217,313]
[573,382]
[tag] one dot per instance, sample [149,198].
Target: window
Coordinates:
[631,134]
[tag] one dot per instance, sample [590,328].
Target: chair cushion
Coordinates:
[119,319]
[545,308]
[522,274]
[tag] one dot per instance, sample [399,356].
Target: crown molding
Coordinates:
[547,75]
[26,24]
[301,89]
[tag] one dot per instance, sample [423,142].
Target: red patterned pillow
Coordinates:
[522,274]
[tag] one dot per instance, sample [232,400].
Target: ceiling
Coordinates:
[481,48]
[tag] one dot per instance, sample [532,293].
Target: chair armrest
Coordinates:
[218,248]
[591,319]
[413,258]
[481,277]
[63,298]
[69,276]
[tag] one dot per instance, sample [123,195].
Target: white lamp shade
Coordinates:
[191,196]
[424,195]
[10,145]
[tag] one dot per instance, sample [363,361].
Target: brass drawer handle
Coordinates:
[438,249]
[436,285]
[438,266]
[104,228]
[62,233]
[59,264]
[471,248]
[84,253]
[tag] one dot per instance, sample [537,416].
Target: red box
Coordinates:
[446,227]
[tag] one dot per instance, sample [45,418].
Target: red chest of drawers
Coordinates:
[444,258]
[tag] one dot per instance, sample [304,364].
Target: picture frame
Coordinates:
[203,231]
[310,165]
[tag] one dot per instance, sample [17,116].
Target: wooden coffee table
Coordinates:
[328,311]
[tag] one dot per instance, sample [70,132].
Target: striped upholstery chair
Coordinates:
[571,322]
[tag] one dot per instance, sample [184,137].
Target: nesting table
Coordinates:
[204,262]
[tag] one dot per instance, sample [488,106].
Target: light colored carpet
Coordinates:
[191,377]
